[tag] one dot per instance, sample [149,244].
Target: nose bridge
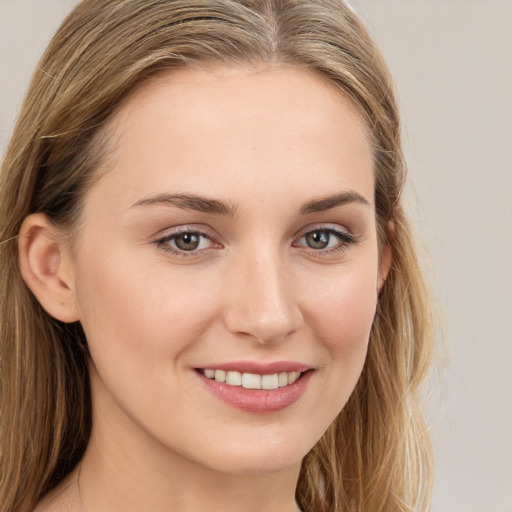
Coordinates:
[261,301]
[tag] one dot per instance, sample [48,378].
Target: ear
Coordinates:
[47,267]
[386,257]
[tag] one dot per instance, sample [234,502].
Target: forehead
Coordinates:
[226,131]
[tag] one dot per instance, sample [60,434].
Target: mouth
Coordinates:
[252,380]
[258,389]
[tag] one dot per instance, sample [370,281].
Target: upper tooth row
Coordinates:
[253,380]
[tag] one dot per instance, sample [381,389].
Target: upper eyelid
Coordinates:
[208,231]
[328,226]
[186,228]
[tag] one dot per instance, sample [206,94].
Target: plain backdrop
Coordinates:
[452,63]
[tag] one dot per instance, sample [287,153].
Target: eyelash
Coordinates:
[163,243]
[345,238]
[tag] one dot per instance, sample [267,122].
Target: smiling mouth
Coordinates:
[252,380]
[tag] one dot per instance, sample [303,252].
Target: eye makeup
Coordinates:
[188,241]
[192,241]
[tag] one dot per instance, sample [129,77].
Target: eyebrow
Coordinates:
[332,201]
[216,207]
[191,202]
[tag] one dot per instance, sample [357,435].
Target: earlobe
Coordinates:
[47,268]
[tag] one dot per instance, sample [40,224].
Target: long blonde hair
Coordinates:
[376,455]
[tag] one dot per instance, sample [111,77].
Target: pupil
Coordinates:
[318,239]
[187,241]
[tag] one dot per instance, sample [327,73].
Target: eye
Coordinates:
[319,239]
[186,242]
[326,240]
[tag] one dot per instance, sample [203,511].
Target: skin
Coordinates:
[265,142]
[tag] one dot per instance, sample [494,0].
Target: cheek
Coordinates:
[144,311]
[139,324]
[343,308]
[341,314]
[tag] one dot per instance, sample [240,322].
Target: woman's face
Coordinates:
[231,236]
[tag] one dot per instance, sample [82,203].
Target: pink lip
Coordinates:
[258,400]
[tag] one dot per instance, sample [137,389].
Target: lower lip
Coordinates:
[258,400]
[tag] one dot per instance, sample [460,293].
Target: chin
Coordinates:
[264,456]
[263,463]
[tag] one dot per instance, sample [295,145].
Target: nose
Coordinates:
[261,300]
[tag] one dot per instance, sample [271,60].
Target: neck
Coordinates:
[107,485]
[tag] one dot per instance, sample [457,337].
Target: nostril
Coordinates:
[263,329]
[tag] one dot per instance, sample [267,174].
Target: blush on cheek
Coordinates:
[344,315]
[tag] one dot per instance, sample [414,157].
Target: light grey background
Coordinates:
[452,63]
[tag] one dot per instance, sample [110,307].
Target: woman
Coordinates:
[211,296]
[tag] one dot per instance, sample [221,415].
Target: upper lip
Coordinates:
[258,367]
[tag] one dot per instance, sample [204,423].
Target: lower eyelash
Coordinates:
[174,252]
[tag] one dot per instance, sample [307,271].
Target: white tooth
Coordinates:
[251,381]
[293,376]
[270,381]
[234,378]
[220,376]
[210,374]
[283,379]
